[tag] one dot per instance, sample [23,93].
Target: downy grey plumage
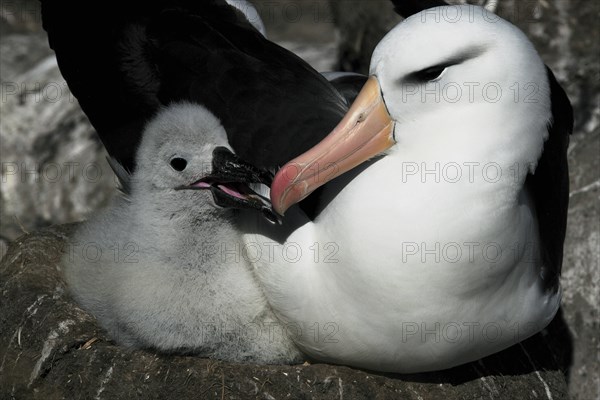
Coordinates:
[162,268]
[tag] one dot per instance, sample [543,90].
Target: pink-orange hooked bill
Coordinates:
[366,131]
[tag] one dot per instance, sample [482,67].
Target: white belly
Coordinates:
[423,285]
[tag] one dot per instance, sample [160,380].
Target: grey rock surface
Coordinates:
[51,349]
[20,53]
[304,27]
[53,165]
[361,24]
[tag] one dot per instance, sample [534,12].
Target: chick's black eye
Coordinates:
[428,74]
[178,163]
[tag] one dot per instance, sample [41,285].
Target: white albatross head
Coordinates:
[453,83]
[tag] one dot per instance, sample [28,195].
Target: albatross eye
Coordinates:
[178,163]
[428,74]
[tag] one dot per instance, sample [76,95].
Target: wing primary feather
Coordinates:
[123,176]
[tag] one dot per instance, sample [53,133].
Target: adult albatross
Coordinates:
[447,247]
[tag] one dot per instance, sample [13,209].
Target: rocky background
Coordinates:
[54,172]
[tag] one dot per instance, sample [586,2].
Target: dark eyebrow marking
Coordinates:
[467,54]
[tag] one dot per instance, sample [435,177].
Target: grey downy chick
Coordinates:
[161,267]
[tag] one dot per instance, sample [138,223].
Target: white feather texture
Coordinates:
[421,270]
[164,269]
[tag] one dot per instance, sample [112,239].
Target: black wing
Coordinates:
[406,8]
[348,84]
[549,185]
[123,60]
[90,44]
